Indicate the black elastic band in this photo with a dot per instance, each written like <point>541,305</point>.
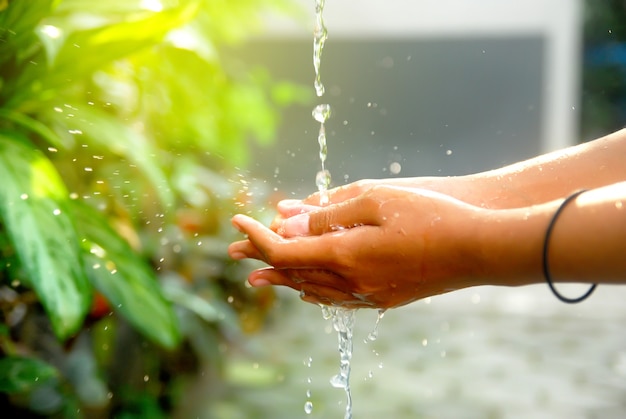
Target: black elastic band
<point>546,270</point>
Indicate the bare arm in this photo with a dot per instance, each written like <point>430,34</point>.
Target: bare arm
<point>555,175</point>
<point>541,179</point>
<point>391,245</point>
<point>587,244</point>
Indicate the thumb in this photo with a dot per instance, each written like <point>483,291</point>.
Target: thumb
<point>290,207</point>
<point>351,213</point>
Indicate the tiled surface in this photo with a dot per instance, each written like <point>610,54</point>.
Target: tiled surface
<point>479,353</point>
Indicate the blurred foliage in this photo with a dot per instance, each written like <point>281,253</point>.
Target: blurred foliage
<point>604,68</point>
<point>123,143</point>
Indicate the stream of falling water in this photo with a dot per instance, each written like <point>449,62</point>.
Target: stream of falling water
<point>342,318</point>
<point>321,112</point>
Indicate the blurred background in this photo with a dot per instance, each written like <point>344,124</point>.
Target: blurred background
<point>131,131</point>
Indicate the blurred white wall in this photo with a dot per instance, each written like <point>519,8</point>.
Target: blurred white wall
<point>559,21</point>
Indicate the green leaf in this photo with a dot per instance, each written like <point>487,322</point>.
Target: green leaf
<point>110,133</point>
<point>33,209</point>
<point>32,125</point>
<point>125,278</point>
<point>72,54</point>
<point>17,23</point>
<point>21,374</point>
<point>88,50</point>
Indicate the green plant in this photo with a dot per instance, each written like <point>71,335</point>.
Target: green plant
<point>604,70</point>
<point>121,128</point>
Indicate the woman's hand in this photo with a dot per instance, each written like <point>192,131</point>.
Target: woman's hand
<point>464,188</point>
<point>479,190</point>
<point>385,247</point>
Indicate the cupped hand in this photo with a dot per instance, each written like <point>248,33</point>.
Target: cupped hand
<point>473,190</point>
<point>384,247</point>
<point>290,207</point>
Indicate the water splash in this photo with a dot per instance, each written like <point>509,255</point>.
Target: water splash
<point>320,34</point>
<point>321,113</point>
<point>343,322</point>
<point>373,335</point>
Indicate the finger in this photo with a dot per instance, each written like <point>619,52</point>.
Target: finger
<point>351,213</point>
<point>244,249</point>
<point>308,283</point>
<point>270,276</point>
<point>341,193</point>
<point>295,278</point>
<point>286,209</point>
<point>280,252</point>
<point>290,207</point>
<point>331,297</point>
<point>277,223</point>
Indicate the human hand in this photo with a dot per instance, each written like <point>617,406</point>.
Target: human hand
<point>472,189</point>
<point>452,186</point>
<point>383,248</point>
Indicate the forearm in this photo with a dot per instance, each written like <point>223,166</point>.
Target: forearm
<point>554,175</point>
<point>587,243</point>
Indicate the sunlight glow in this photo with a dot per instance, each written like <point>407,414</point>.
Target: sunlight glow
<point>51,31</point>
<point>153,5</point>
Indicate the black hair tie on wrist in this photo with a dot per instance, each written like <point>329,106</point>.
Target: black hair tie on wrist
<point>546,270</point>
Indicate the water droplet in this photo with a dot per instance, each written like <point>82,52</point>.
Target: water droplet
<point>448,152</point>
<point>395,168</point>
<point>326,312</point>
<point>322,180</point>
<point>308,407</point>
<point>373,335</point>
<point>24,196</point>
<point>321,113</point>
<point>56,212</point>
<point>97,251</point>
<point>338,381</point>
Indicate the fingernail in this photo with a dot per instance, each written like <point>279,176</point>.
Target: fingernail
<point>290,207</point>
<point>286,203</point>
<point>235,222</point>
<point>298,225</point>
<point>238,255</point>
<point>259,282</point>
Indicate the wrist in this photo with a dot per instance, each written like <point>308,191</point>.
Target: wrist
<point>509,244</point>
